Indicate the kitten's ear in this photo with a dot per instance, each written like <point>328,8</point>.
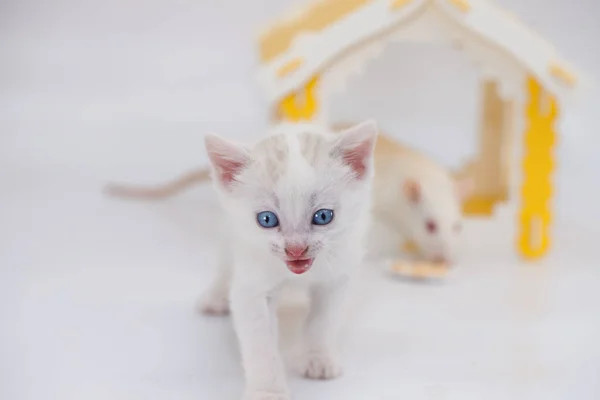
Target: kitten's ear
<point>412,190</point>
<point>355,146</point>
<point>227,158</point>
<point>464,187</point>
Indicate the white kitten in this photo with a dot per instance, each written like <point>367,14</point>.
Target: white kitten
<point>297,207</point>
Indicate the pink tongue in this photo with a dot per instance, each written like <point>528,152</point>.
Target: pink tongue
<point>299,266</point>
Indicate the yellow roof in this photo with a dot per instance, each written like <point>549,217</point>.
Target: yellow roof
<point>279,36</point>
<point>299,46</point>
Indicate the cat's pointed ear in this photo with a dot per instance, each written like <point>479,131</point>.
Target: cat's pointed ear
<point>228,158</point>
<point>355,146</point>
<point>464,187</point>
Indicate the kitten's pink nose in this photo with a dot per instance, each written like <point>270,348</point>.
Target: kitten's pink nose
<point>296,251</point>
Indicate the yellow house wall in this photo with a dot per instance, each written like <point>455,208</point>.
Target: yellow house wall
<point>535,215</point>
<point>302,105</point>
<point>490,170</point>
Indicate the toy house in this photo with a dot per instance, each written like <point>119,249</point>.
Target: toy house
<point>308,56</point>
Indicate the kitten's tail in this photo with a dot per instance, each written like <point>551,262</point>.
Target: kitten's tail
<point>162,191</point>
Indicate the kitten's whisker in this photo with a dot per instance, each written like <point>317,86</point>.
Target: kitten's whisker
<point>330,268</point>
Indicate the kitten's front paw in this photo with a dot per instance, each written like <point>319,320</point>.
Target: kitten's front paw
<point>320,366</point>
<point>214,304</point>
<point>260,395</point>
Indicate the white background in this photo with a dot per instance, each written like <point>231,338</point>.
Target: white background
<point>97,296</point>
<point>119,88</point>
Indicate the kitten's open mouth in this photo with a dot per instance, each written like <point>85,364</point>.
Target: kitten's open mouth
<point>299,266</point>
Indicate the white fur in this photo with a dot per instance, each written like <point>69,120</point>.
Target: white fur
<point>440,201</point>
<point>277,176</point>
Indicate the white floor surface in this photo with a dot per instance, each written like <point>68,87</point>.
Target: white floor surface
<point>105,293</point>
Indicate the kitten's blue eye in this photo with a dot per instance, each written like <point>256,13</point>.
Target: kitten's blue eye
<point>322,217</point>
<point>267,219</point>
